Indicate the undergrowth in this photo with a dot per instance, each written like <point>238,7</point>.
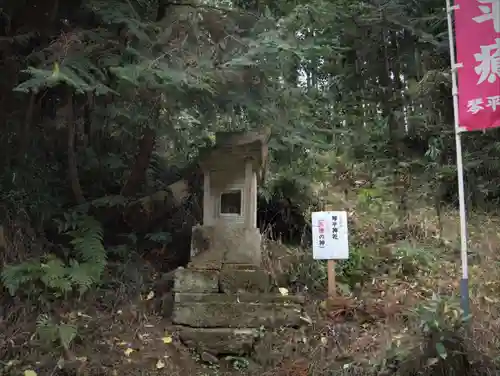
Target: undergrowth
<point>401,284</point>
<point>396,312</point>
<point>77,269</point>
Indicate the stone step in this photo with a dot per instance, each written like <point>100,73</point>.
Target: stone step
<point>236,314</point>
<point>196,280</point>
<point>244,297</point>
<point>234,278</point>
<point>230,279</point>
<point>219,340</point>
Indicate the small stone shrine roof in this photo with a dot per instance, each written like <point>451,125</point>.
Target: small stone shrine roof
<point>231,149</point>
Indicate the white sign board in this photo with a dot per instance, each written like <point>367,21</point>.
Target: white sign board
<point>329,235</point>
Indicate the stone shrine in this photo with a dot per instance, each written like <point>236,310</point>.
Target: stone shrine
<point>224,297</point>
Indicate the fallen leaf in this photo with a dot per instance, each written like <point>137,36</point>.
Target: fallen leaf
<point>60,363</point>
<point>10,363</point>
<point>167,339</point>
<point>283,291</point>
<point>489,300</point>
<point>150,296</point>
<point>128,351</point>
<point>306,318</point>
<point>30,372</point>
<point>160,364</point>
<point>431,362</point>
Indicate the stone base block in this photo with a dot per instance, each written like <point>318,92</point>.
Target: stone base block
<point>235,278</point>
<point>196,280</point>
<point>212,246</point>
<point>186,298</point>
<point>219,340</point>
<point>236,314</point>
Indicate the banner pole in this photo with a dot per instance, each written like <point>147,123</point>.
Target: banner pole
<point>464,283</point>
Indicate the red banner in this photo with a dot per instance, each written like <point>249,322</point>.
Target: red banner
<point>477,34</point>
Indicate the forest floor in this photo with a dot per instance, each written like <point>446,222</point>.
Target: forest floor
<point>121,331</point>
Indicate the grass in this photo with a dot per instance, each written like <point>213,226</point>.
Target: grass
<point>397,312</point>
<point>437,260</point>
<point>401,289</point>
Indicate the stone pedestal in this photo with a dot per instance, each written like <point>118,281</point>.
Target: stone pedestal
<point>213,246</point>
<point>224,298</point>
<point>222,311</point>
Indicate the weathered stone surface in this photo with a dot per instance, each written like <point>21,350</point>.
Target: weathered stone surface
<point>167,305</point>
<point>196,280</point>
<point>209,358</point>
<point>213,246</point>
<point>246,247</point>
<point>219,340</point>
<point>241,297</point>
<point>236,315</point>
<point>204,253</point>
<point>233,279</point>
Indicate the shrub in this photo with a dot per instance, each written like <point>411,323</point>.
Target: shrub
<point>304,271</point>
<point>53,274</point>
<point>409,259</point>
<point>438,347</point>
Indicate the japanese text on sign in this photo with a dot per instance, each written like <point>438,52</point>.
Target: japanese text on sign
<point>477,34</point>
<point>330,235</point>
<point>490,12</point>
<point>480,104</point>
<point>335,230</point>
<point>321,227</point>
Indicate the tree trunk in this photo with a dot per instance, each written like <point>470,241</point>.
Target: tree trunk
<point>72,162</point>
<point>25,134</point>
<point>138,174</point>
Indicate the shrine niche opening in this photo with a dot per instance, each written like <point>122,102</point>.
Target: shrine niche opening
<point>231,202</point>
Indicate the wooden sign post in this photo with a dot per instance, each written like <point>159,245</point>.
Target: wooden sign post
<point>332,286</point>
<point>330,241</point>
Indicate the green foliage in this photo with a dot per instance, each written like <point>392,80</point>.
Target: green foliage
<point>313,274</point>
<point>371,200</point>
<point>358,269</point>
<point>440,320</point>
<point>405,261</point>
<point>83,268</point>
<point>436,347</point>
<point>410,260</point>
<point>306,272</point>
<point>440,314</point>
<point>159,237</point>
<point>51,333</point>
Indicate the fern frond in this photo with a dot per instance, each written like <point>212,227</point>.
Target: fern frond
<point>49,332</point>
<point>81,273</point>
<point>66,334</point>
<point>55,275</point>
<point>15,276</point>
<point>46,330</point>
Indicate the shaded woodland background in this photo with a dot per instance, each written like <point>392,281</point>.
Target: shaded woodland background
<point>104,104</point>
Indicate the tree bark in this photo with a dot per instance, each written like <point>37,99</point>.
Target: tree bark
<point>25,134</point>
<point>72,162</point>
<point>138,174</point>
